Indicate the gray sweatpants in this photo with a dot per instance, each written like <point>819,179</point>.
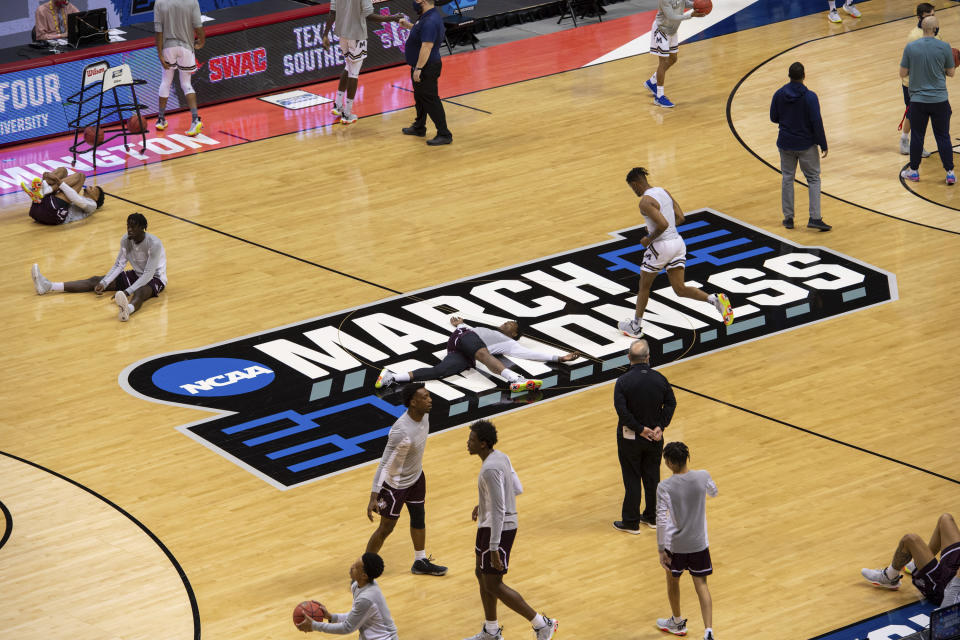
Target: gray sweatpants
<point>809,160</point>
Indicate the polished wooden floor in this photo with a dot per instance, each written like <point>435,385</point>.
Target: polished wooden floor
<point>798,515</point>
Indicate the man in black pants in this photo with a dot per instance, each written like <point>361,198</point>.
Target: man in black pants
<point>645,404</point>
<point>423,56</point>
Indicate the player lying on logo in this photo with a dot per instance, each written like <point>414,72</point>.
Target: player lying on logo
<point>134,286</point>
<point>665,249</point>
<point>468,344</point>
<point>59,197</point>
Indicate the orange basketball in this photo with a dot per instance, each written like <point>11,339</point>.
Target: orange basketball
<point>702,6</point>
<point>310,609</point>
<point>93,136</point>
<point>136,124</point>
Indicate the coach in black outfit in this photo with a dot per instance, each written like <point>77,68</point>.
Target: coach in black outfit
<point>645,404</point>
<point>423,56</point>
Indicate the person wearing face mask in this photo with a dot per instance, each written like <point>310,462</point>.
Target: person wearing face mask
<point>423,56</point>
<point>924,9</point>
<point>51,19</point>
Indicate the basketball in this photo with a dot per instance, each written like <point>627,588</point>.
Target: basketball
<point>702,6</point>
<point>93,136</point>
<point>309,608</point>
<point>956,57</point>
<point>136,124</point>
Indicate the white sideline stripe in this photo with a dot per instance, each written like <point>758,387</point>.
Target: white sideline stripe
<point>722,9</point>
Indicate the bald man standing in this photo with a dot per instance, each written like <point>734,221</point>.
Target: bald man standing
<point>927,62</point>
<point>645,404</point>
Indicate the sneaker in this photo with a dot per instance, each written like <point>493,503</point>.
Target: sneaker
<point>818,224</point>
<point>708,635</point>
<point>670,625</point>
<point>348,118</point>
<point>485,635</point>
<point>195,127</point>
<point>122,302</point>
<point>878,578</point>
<point>437,141</point>
<point>663,101</point>
<point>426,567</point>
<point>788,223</point>
<point>651,522</point>
<point>525,385</point>
<point>385,379</point>
<point>161,124</point>
<point>951,178</point>
<point>910,174</point>
<point>904,146</point>
<point>546,631</point>
<point>337,110</point>
<point>631,327</point>
<point>924,153</point>
<point>414,131</point>
<point>851,10</point>
<point>834,17</point>
<point>723,306</point>
<point>33,189</point>
<point>619,526</point>
<point>652,87</point>
<point>41,284</point>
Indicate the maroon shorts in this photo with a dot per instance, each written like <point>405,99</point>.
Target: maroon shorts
<point>50,210</point>
<point>130,276</point>
<point>484,564</point>
<point>932,579</point>
<point>391,500</point>
<point>697,563</point>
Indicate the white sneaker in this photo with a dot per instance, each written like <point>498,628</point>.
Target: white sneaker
<point>336,110</point>
<point>904,147</point>
<point>122,302</point>
<point>483,635</point>
<point>878,578</point>
<point>631,327</point>
<point>41,284</point>
<point>670,625</point>
<point>195,127</point>
<point>385,379</point>
<point>708,635</point>
<point>833,16</point>
<point>852,10</point>
<point>348,118</point>
<point>546,631</point>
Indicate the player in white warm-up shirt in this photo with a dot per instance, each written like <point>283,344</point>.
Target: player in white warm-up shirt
<point>146,280</point>
<point>665,42</point>
<point>664,250</point>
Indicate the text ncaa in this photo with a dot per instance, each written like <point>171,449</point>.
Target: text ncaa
<point>297,403</point>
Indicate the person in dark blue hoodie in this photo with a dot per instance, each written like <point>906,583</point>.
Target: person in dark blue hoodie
<point>797,110</point>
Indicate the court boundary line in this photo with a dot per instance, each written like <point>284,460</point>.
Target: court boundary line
<point>736,134</point>
<point>465,106</point>
<point>8,527</point>
<point>173,560</point>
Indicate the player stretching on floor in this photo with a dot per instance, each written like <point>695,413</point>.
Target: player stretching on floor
<point>146,280</point>
<point>59,198</point>
<point>468,344</point>
<point>664,43</point>
<point>665,249</point>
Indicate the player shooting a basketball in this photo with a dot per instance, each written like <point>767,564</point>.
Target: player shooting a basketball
<point>665,249</point>
<point>664,41</point>
<point>179,33</point>
<point>468,344</point>
<point>59,197</point>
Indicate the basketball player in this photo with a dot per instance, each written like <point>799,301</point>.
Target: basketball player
<point>135,286</point>
<point>179,33</point>
<point>59,198</point>
<point>369,614</point>
<point>468,344</point>
<point>496,517</point>
<point>664,249</point>
<point>399,479</point>
<point>664,43</point>
<point>351,30</point>
<point>682,536</point>
<point>848,7</point>
<point>933,575</point>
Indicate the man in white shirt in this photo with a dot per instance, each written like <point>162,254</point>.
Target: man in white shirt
<point>135,286</point>
<point>59,197</point>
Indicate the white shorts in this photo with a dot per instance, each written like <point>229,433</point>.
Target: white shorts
<point>663,45</point>
<point>183,58</point>
<point>354,53</point>
<point>664,254</point>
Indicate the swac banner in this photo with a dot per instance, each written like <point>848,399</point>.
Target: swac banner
<point>297,402</point>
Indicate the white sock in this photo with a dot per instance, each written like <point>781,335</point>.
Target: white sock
<point>891,573</point>
<point>511,376</point>
<point>339,101</point>
<point>653,78</point>
<point>538,621</point>
<point>130,308</point>
<point>676,619</point>
<point>419,555</point>
<point>401,377</point>
<point>348,106</point>
<point>56,286</point>
<point>491,627</point>
<point>659,90</point>
<point>712,298</point>
<point>905,137</point>
<point>706,631</point>
<point>832,4</point>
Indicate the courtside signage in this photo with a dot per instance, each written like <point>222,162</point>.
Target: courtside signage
<point>898,623</point>
<point>297,403</point>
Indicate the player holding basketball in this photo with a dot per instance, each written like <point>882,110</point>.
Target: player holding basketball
<point>399,479</point>
<point>59,197</point>
<point>179,33</point>
<point>468,344</point>
<point>665,249</point>
<point>496,517</point>
<point>369,614</point>
<point>351,18</point>
<point>146,280</point>
<point>682,536</point>
<point>664,43</point>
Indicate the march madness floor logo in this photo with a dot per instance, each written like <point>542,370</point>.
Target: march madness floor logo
<point>297,403</point>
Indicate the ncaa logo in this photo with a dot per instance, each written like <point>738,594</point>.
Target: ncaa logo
<point>212,377</point>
